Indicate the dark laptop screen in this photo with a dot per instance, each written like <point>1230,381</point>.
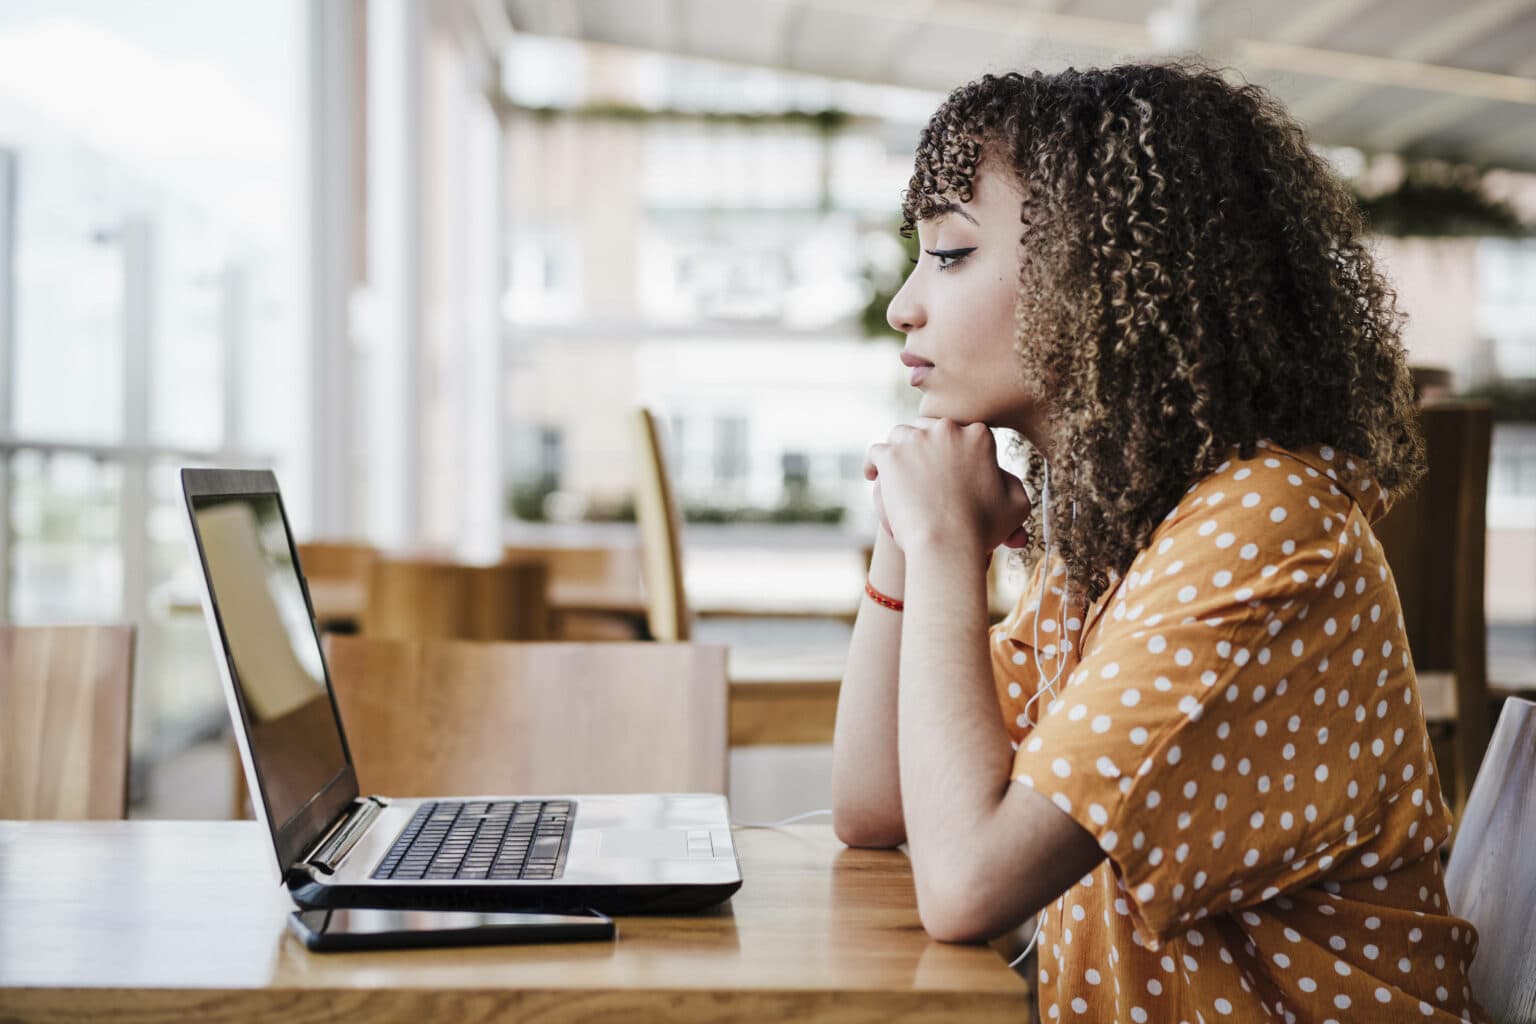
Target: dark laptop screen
<point>274,656</point>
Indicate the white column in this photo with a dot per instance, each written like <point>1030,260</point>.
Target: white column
<point>397,37</point>
<point>481,509</point>
<point>331,269</point>
<point>136,240</point>
<point>232,313</point>
<point>7,361</point>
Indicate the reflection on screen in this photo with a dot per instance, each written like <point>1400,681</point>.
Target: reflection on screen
<point>274,657</point>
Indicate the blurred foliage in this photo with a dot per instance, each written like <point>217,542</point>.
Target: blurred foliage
<point>525,498</point>
<point>1438,200</point>
<point>526,502</point>
<point>824,121</point>
<point>1513,401</point>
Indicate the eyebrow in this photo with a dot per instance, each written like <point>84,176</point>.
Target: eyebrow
<point>945,209</point>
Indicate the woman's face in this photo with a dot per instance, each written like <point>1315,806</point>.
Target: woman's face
<point>957,309</point>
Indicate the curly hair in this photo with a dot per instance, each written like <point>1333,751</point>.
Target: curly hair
<point>1192,278</point>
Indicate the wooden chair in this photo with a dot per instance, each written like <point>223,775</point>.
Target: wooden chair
<point>593,590</point>
<point>1491,878</point>
<point>661,532</point>
<point>776,698</point>
<point>337,560</point>
<point>414,599</point>
<point>1434,541</point>
<point>337,573</point>
<point>425,719</point>
<point>65,698</point>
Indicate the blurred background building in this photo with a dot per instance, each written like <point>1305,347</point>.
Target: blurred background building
<point>423,256</point>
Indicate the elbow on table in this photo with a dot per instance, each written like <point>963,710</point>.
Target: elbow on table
<point>954,910</point>
<point>861,828</point>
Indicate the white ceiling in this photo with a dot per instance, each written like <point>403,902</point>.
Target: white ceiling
<point>1445,78</point>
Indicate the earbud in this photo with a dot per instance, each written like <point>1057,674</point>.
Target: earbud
<point>1048,686</point>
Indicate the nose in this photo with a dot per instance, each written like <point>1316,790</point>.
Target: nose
<point>906,314</point>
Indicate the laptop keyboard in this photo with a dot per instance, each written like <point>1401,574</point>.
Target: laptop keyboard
<point>499,840</point>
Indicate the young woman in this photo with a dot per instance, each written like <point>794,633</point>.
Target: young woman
<point>1196,746</point>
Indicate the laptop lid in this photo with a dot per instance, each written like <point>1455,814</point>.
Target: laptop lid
<point>274,673</point>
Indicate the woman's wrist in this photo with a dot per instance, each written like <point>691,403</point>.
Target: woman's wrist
<point>888,567</point>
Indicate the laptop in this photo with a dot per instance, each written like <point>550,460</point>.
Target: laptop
<point>620,854</point>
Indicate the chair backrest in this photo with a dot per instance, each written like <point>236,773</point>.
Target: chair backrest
<point>65,694</point>
<point>1491,879</point>
<point>425,719</point>
<point>661,534</point>
<point>594,564</point>
<point>1434,541</point>
<point>414,599</point>
<point>337,560</point>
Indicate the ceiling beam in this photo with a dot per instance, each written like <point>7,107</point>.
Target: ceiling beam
<point>1399,132</point>
<point>1463,25</point>
<point>883,44</point>
<point>1316,20</point>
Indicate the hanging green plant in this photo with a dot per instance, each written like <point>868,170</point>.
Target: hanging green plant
<point>827,122</point>
<point>1436,200</point>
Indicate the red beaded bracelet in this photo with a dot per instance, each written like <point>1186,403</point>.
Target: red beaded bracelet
<point>883,601</point>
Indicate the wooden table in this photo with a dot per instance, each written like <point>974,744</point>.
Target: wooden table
<point>185,920</point>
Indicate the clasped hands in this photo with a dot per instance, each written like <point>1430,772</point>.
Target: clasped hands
<point>938,488</point>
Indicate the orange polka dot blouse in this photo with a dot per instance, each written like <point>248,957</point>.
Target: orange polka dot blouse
<point>1237,723</point>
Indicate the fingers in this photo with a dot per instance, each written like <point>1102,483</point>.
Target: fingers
<point>872,459</point>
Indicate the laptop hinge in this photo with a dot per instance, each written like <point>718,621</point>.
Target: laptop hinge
<point>342,836</point>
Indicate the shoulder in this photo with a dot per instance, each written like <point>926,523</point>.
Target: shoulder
<point>1251,534</point>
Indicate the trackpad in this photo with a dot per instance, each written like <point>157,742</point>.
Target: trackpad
<point>646,843</point>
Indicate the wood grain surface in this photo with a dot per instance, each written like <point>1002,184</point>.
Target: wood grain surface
<point>65,694</point>
<point>142,921</point>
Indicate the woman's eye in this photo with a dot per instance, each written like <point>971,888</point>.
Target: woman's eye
<point>949,257</point>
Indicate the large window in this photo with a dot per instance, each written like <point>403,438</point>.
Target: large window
<point>149,158</point>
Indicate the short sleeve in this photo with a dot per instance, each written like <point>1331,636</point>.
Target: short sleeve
<point>1193,738</point>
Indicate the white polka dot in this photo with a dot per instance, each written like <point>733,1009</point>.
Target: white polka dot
<point>1183,657</point>
<point>1110,671</point>
<point>1101,723</point>
<point>1061,767</point>
<point>1223,1006</point>
<point>1277,514</point>
<point>1157,644</point>
<point>1226,540</point>
<point>1186,595</point>
<point>1130,698</point>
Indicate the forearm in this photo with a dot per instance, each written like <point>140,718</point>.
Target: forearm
<point>866,789</point>
<point>954,752</point>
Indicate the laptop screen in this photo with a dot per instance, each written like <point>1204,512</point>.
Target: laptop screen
<point>274,655</point>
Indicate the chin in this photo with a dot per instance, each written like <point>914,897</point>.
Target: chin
<point>938,408</point>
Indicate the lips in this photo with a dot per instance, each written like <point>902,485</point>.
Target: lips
<point>920,367</point>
